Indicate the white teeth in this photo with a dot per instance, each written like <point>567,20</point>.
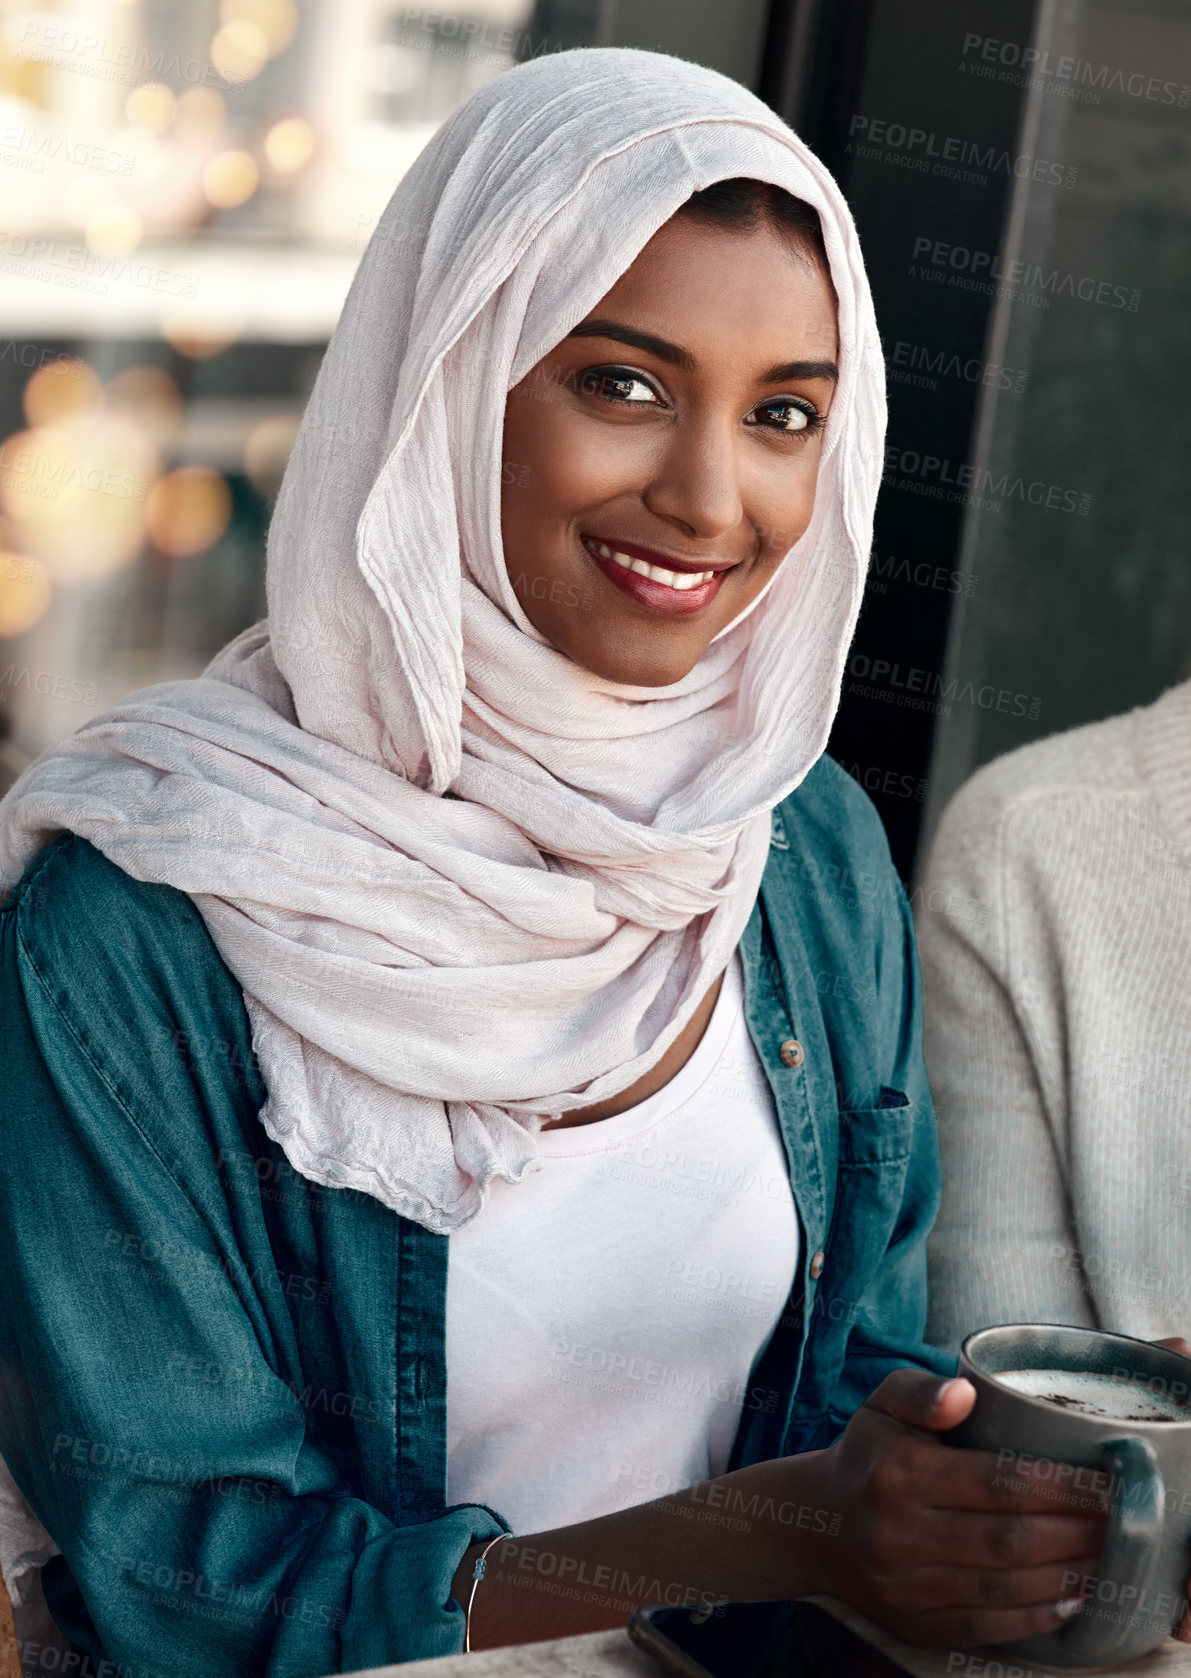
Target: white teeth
<point>672,579</point>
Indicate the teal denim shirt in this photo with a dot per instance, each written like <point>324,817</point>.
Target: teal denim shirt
<point>223,1388</point>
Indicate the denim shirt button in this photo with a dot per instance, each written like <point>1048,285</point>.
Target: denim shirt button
<point>817,1267</point>
<point>791,1052</point>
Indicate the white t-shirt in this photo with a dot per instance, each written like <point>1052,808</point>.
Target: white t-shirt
<point>604,1314</point>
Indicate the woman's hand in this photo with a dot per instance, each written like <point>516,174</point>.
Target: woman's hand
<point>940,1545</point>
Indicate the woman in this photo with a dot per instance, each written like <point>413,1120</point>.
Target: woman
<point>429,1030</point>
<point>1058,1030</point>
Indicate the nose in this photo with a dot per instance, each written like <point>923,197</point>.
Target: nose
<point>696,481</point>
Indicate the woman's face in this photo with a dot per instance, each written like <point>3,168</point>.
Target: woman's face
<point>678,425</point>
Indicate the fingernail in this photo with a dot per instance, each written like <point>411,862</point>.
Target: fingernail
<point>945,1389</point>
<point>1069,1607</point>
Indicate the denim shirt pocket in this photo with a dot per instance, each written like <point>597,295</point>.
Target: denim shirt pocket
<point>875,1147</point>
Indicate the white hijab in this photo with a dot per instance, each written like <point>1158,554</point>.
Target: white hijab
<point>426,977</point>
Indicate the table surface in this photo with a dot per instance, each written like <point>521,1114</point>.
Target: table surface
<point>611,1654</point>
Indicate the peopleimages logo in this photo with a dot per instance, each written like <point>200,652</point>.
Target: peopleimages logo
<point>925,690</point>
<point>45,39</point>
<point>44,475</point>
<point>27,149</point>
<point>921,365</point>
<point>36,257</point>
<point>883,135</point>
<point>985,266</point>
<point>921,573</point>
<point>48,685</point>
<point>1080,71</point>
<point>980,481</point>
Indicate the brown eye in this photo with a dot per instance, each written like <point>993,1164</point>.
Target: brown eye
<point>616,384</point>
<point>790,417</point>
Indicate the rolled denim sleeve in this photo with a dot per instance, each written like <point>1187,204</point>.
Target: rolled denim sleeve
<point>153,1406</point>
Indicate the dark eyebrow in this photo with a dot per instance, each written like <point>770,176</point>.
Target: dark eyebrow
<point>683,358</point>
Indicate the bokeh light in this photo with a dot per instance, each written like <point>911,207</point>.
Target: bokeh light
<point>230,178</point>
<point>267,451</point>
<point>277,20</point>
<point>151,106</point>
<point>60,391</point>
<point>239,50</point>
<point>25,592</point>
<point>150,156</point>
<point>76,493</point>
<point>188,509</point>
<point>113,230</point>
<point>85,197</point>
<point>150,397</point>
<point>201,113</point>
<point>196,335</point>
<point>289,144</point>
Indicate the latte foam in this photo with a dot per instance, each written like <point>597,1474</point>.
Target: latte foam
<point>1096,1395</point>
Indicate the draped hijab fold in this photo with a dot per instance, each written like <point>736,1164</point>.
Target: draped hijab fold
<point>463,882</point>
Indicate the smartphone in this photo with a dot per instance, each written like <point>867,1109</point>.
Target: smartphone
<point>757,1640</point>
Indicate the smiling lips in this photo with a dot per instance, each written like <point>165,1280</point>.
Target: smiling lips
<point>672,579</point>
<point>655,585</point>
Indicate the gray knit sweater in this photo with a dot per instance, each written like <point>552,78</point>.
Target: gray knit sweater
<point>1055,930</point>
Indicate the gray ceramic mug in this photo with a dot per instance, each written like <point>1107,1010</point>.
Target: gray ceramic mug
<point>1139,1593</point>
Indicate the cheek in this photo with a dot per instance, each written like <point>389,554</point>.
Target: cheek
<point>524,475</point>
<point>537,464</point>
<point>569,463</point>
<point>783,505</point>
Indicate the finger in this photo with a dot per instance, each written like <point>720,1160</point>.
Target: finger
<point>1007,1541</point>
<point>930,1589</point>
<point>971,1628</point>
<point>918,1400</point>
<point>984,1481</point>
<point>1060,1487</point>
<point>1175,1344</point>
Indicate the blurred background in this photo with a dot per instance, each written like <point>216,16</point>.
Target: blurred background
<point>186,190</point>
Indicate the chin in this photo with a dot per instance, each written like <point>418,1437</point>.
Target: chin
<point>646,671</point>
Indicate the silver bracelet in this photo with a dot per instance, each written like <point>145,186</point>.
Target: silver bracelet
<point>476,1576</point>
